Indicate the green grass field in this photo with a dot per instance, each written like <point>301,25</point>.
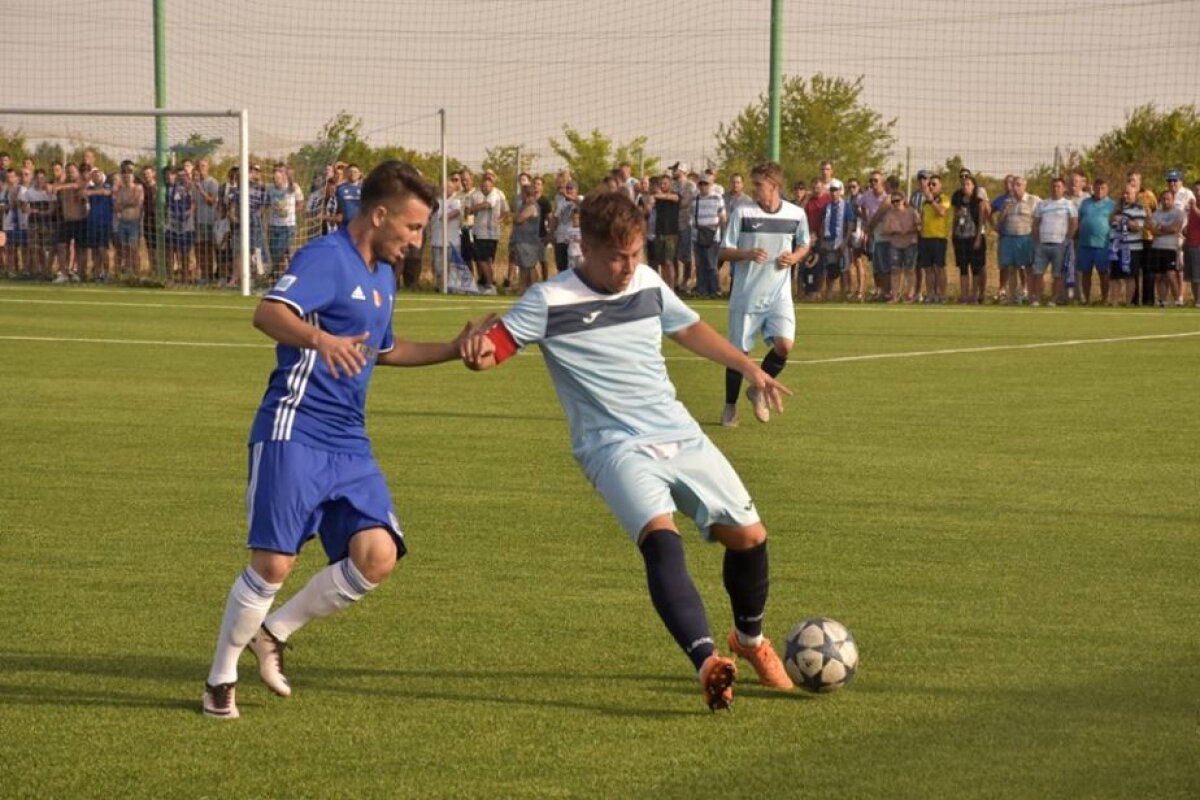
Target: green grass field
<point>1011,534</point>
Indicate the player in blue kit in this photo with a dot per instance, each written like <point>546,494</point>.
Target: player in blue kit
<point>599,328</point>
<point>763,241</point>
<point>311,470</point>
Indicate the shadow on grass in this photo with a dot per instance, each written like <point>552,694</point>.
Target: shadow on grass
<point>515,684</point>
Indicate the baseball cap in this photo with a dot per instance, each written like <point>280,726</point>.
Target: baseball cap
<point>835,185</point>
<point>1175,175</point>
<point>923,174</point>
<point>487,173</point>
<point>704,179</point>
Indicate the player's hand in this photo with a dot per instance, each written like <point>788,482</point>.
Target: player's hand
<point>771,389</point>
<point>788,259</point>
<point>759,255</point>
<point>342,353</point>
<point>474,347</point>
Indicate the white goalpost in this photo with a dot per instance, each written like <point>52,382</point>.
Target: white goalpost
<point>162,114</point>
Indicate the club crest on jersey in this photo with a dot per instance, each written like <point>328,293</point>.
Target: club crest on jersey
<point>285,283</point>
<point>357,294</point>
<point>378,299</point>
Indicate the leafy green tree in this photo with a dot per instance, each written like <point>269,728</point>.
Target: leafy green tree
<point>13,143</point>
<point>593,156</point>
<point>196,147</point>
<point>502,159</point>
<point>820,118</point>
<point>1151,142</point>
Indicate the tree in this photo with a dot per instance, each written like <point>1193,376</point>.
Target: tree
<point>13,143</point>
<point>340,139</point>
<point>822,118</point>
<point>1150,142</point>
<point>502,160</point>
<point>592,157</point>
<point>196,147</point>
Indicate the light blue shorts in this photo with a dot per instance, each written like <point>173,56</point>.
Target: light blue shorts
<point>691,476</point>
<point>775,322</point>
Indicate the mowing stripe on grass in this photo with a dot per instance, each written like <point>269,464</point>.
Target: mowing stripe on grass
<point>207,306</point>
<point>809,362</point>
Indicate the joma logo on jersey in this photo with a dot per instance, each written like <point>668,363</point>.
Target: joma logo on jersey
<point>369,353</point>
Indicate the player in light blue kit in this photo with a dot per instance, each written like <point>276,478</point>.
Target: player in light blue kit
<point>763,241</point>
<point>311,469</point>
<point>600,328</point>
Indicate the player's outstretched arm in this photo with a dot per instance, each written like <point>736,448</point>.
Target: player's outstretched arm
<point>341,354</point>
<point>701,339</point>
<point>419,354</point>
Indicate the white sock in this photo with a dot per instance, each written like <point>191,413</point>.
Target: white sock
<point>748,641</point>
<point>250,599</point>
<point>336,587</point>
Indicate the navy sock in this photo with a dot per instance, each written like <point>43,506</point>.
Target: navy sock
<point>733,385</point>
<point>773,363</point>
<point>747,581</point>
<point>674,595</point>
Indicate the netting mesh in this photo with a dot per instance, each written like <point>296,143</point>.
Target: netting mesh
<point>1020,87</point>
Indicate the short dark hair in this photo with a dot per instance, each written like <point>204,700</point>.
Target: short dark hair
<point>393,182</point>
<point>610,217</point>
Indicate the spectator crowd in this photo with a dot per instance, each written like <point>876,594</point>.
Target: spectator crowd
<point>870,241</point>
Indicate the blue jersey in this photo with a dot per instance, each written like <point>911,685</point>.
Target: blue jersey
<point>349,199</point>
<point>100,209</point>
<point>330,287</point>
<point>757,287</point>
<point>604,354</point>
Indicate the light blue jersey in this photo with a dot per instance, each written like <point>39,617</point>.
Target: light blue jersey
<point>758,287</point>
<point>604,355</point>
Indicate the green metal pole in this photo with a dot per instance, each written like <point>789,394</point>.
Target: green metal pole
<point>776,78</point>
<point>160,132</point>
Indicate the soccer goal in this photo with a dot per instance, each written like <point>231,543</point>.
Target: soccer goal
<point>210,241</point>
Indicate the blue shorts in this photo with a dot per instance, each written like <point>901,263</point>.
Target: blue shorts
<point>1089,258</point>
<point>18,238</point>
<point>881,257</point>
<point>295,492</point>
<point>775,322</point>
<point>691,476</point>
<point>128,233</point>
<point>1016,251</point>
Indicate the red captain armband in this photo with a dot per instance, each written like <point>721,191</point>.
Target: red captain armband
<point>502,340</point>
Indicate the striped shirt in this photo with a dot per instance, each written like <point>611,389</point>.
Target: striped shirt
<point>708,210</point>
<point>604,355</point>
<point>756,286</point>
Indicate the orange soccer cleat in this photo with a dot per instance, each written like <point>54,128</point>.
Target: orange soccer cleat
<point>765,661</point>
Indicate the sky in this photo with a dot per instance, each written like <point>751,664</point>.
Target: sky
<point>1002,84</point>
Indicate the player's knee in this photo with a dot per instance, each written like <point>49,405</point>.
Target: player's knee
<point>782,347</point>
<point>374,554</point>
<point>740,537</point>
<point>270,566</point>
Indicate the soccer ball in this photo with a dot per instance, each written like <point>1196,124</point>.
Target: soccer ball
<point>821,655</point>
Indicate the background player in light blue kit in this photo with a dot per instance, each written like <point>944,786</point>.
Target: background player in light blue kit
<point>311,469</point>
<point>600,328</point>
<point>763,241</point>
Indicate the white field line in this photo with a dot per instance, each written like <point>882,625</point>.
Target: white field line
<point>803,362</point>
<point>207,306</point>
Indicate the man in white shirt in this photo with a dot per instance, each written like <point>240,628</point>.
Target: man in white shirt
<point>489,205</point>
<point>451,217</point>
<point>1055,222</point>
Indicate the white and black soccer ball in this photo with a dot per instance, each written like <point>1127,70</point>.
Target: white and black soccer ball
<point>821,655</point>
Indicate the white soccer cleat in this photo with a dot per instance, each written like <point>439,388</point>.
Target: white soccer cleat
<point>762,411</point>
<point>269,652</point>
<point>219,701</point>
<point>729,416</point>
